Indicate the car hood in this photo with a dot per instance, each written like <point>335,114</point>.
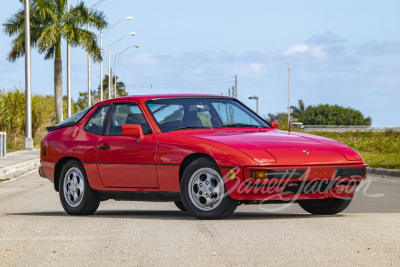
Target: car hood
<point>283,148</point>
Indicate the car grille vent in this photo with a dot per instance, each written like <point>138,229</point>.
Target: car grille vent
<point>286,173</point>
<point>347,172</point>
<point>309,187</point>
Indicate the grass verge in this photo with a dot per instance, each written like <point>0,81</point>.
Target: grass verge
<point>378,149</point>
<point>377,160</point>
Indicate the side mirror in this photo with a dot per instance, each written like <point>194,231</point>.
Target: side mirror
<point>134,130</point>
<point>275,124</point>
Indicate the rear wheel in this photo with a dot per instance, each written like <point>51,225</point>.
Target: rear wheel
<point>327,206</point>
<point>180,205</point>
<point>203,191</point>
<point>77,198</point>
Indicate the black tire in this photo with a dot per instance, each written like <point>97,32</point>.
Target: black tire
<point>327,206</point>
<point>180,205</point>
<point>77,198</point>
<point>215,203</point>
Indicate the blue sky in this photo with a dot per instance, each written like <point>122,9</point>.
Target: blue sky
<point>340,52</point>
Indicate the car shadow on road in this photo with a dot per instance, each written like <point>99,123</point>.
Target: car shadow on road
<point>173,215</point>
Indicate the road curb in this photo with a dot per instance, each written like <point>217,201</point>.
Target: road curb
<point>384,172</point>
<point>14,170</point>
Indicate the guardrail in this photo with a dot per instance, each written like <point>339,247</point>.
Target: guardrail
<point>346,128</point>
<point>3,144</point>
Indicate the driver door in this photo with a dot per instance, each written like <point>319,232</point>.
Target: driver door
<point>122,161</point>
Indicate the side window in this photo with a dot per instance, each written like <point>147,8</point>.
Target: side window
<point>127,114</point>
<point>96,122</point>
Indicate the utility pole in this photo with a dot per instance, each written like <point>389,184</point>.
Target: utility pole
<point>101,65</point>
<point>288,94</point>
<point>28,98</point>
<point>115,77</point>
<point>235,95</point>
<point>68,74</point>
<point>255,98</point>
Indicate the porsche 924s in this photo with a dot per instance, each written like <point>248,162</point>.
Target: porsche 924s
<point>206,153</point>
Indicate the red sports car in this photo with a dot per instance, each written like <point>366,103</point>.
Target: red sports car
<point>206,153</point>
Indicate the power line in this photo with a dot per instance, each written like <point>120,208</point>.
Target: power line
<point>200,83</point>
<point>193,85</point>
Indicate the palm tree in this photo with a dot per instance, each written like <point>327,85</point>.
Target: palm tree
<point>298,112</point>
<point>121,89</point>
<point>50,23</point>
<point>82,101</point>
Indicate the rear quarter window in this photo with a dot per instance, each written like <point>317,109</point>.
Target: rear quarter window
<point>96,123</point>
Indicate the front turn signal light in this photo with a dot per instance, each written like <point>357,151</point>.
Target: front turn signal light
<point>259,174</point>
<point>231,174</point>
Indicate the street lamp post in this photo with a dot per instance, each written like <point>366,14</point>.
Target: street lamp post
<point>115,70</point>
<point>109,60</point>
<point>95,6</point>
<point>255,98</point>
<point>28,99</point>
<point>88,61</point>
<point>101,52</point>
<point>68,74</point>
<point>288,93</point>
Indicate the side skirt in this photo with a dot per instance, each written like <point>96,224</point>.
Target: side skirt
<point>139,196</point>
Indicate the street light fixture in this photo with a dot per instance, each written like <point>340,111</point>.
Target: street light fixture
<point>101,51</point>
<point>109,60</point>
<point>115,71</point>
<point>255,98</point>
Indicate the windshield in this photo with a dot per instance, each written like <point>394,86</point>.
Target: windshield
<point>202,113</point>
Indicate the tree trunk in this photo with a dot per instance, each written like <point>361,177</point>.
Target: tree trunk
<point>58,92</point>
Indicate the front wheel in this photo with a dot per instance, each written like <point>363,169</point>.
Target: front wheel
<point>203,191</point>
<point>77,198</point>
<point>327,206</point>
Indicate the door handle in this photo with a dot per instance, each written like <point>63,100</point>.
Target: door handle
<point>104,147</point>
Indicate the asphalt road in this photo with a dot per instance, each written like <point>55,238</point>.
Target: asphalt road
<point>35,231</point>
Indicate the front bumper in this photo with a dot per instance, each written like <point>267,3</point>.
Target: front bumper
<point>318,182</point>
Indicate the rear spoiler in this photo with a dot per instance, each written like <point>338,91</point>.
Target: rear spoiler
<point>56,127</point>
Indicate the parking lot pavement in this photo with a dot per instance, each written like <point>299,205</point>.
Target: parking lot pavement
<point>34,230</point>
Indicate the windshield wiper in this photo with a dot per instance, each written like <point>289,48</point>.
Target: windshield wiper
<point>240,125</point>
<point>189,128</point>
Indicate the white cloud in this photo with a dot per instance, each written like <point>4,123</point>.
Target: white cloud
<point>315,51</point>
<point>375,48</point>
<point>147,59</point>
<point>251,69</point>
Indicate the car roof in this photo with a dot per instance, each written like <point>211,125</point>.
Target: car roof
<point>156,96</point>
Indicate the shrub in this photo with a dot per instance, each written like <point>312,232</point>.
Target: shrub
<point>12,116</point>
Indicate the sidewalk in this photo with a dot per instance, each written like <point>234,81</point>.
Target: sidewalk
<point>384,172</point>
<point>19,162</point>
